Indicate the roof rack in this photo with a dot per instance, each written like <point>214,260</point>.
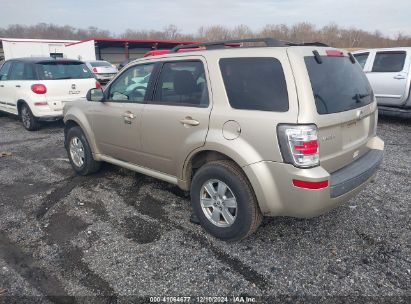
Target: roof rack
<point>226,43</point>
<point>304,43</point>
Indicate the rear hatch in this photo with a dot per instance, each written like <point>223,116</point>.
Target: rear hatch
<point>334,93</point>
<point>65,81</point>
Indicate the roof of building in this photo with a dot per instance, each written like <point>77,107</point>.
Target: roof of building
<point>109,42</point>
<point>44,59</point>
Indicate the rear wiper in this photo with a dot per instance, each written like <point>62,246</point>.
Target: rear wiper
<point>357,97</point>
<point>68,77</point>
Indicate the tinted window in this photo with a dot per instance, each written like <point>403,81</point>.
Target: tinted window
<point>22,71</point>
<point>389,62</point>
<point>131,86</point>
<point>338,85</point>
<point>100,64</point>
<point>63,70</point>
<point>4,71</point>
<point>255,84</point>
<point>362,58</point>
<point>182,83</point>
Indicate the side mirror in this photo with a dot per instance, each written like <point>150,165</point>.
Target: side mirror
<point>95,95</point>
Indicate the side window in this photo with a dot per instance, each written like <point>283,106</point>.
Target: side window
<point>389,62</point>
<point>17,72</point>
<point>182,83</point>
<point>4,72</point>
<point>131,86</point>
<point>29,73</point>
<point>22,71</point>
<point>362,58</point>
<point>255,83</point>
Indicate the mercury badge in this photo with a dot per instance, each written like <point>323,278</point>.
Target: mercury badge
<point>360,114</point>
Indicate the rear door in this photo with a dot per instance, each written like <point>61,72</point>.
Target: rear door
<point>21,78</point>
<point>6,89</point>
<point>175,121</point>
<point>339,100</point>
<point>389,77</point>
<point>65,81</point>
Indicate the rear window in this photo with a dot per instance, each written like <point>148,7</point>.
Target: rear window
<point>100,64</point>
<point>389,62</point>
<point>63,70</point>
<point>255,83</point>
<point>338,84</point>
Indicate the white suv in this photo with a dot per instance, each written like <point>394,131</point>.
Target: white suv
<point>37,88</point>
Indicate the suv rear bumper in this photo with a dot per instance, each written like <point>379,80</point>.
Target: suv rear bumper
<point>356,173</point>
<point>277,196</point>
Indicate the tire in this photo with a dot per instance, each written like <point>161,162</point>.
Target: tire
<point>245,218</point>
<point>79,152</point>
<point>30,122</point>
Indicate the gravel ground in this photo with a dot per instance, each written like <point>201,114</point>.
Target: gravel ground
<point>120,237</point>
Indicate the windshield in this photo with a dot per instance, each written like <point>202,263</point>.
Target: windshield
<point>338,84</point>
<point>97,64</point>
<point>63,70</point>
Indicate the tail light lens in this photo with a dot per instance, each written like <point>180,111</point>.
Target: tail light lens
<point>39,88</point>
<point>299,145</point>
<point>94,70</point>
<point>98,85</point>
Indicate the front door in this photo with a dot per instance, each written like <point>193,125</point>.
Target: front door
<point>175,121</point>
<point>117,121</point>
<point>388,77</point>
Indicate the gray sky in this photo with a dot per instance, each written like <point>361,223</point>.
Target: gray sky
<point>390,17</point>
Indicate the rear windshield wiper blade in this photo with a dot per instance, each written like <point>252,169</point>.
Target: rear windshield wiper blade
<point>68,77</point>
<point>358,97</point>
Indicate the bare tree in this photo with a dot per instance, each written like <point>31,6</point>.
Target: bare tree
<point>331,34</point>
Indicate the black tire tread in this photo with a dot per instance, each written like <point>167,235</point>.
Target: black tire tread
<point>256,216</point>
<point>92,166</point>
<point>34,124</point>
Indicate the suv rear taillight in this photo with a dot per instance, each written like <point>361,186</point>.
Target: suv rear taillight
<point>94,70</point>
<point>299,145</point>
<point>39,88</point>
<point>98,85</point>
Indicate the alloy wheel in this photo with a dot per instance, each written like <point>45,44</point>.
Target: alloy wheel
<point>218,203</point>
<point>77,152</point>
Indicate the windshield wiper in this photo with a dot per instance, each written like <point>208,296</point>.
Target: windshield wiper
<point>68,77</point>
<point>358,97</point>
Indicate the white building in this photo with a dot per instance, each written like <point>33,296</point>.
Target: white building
<point>112,50</point>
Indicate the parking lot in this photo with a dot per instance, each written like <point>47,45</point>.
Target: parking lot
<point>119,234</point>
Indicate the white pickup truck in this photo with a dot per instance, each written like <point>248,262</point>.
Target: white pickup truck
<point>389,72</point>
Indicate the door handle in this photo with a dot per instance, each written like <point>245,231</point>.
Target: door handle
<point>188,121</point>
<point>1,86</point>
<point>129,115</point>
<point>18,86</point>
<point>399,77</point>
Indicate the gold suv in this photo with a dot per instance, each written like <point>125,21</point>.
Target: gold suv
<point>275,130</point>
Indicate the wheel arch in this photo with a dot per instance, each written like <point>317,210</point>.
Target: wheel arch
<point>71,121</point>
<point>19,104</point>
<point>201,157</point>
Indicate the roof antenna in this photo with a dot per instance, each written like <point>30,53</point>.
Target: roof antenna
<point>352,58</point>
<point>317,57</point>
